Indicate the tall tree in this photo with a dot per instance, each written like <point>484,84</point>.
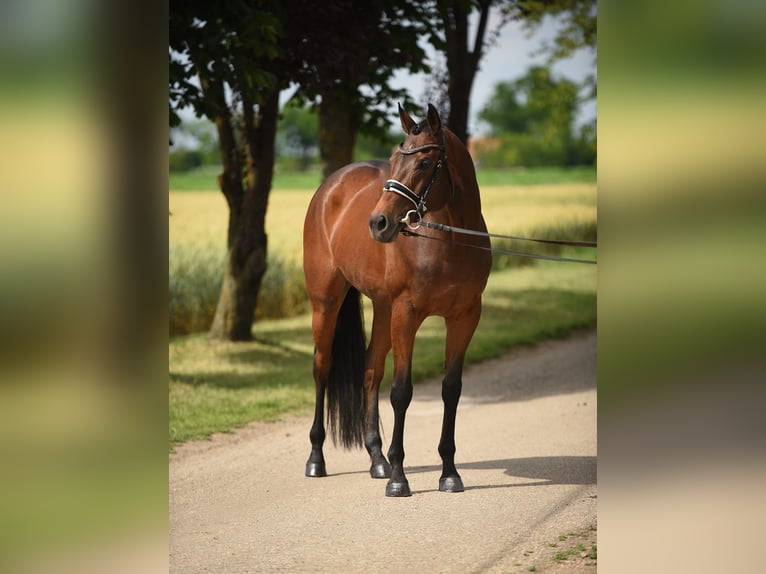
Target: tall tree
<point>537,111</point>
<point>459,29</point>
<point>463,54</point>
<point>343,54</point>
<point>579,28</point>
<point>224,64</point>
<point>298,134</point>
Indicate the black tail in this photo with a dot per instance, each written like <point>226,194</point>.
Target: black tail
<point>345,387</point>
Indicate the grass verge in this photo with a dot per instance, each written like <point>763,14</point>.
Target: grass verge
<point>218,386</point>
<point>205,178</point>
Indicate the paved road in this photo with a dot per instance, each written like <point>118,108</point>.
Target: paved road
<point>526,439</point>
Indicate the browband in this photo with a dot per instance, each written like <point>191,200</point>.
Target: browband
<point>421,148</point>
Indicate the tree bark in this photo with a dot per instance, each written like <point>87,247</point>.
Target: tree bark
<point>462,63</point>
<point>247,241</point>
<point>338,126</point>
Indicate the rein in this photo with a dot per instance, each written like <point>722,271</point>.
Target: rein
<point>411,233</point>
<point>442,227</point>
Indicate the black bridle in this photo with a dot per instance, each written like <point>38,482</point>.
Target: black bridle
<point>419,201</point>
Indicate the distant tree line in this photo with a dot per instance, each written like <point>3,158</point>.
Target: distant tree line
<point>530,121</point>
<point>296,145</point>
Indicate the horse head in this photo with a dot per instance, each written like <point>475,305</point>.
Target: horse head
<point>420,180</point>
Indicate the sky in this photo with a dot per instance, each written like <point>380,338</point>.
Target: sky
<point>508,60</point>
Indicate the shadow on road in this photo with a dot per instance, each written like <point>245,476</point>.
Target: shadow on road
<point>544,469</point>
<point>541,470</point>
<point>543,373</point>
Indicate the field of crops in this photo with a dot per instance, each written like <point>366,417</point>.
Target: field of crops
<point>197,232</point>
<point>199,218</point>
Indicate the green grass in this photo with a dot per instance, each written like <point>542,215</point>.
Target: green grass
<point>577,550</point>
<point>218,386</point>
<point>536,175</point>
<point>566,554</point>
<point>205,178</point>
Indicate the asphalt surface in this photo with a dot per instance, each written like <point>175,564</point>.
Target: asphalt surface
<point>526,450</point>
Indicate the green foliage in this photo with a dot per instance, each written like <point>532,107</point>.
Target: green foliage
<point>532,121</point>
<point>372,147</point>
<point>298,136</point>
<point>232,44</point>
<point>194,146</point>
<point>283,290</point>
<point>193,143</point>
<point>193,287</point>
<point>578,231</point>
<point>195,282</point>
<point>578,27</point>
<point>335,48</point>
<point>184,160</point>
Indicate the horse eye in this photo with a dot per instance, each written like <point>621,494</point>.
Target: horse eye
<point>424,163</point>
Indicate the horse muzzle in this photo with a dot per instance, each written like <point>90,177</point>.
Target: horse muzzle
<point>384,228</point>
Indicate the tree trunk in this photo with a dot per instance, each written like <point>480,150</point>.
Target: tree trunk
<point>247,241</point>
<point>462,63</point>
<point>338,126</point>
<point>245,266</point>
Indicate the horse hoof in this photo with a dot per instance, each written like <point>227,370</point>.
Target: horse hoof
<point>398,489</point>
<point>380,470</point>
<point>451,484</point>
<point>316,469</point>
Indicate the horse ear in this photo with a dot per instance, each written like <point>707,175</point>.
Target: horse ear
<point>407,121</point>
<point>433,119</point>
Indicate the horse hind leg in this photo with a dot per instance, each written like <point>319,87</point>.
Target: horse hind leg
<point>323,323</point>
<point>315,466</point>
<point>339,370</point>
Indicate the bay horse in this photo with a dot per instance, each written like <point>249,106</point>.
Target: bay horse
<point>352,244</point>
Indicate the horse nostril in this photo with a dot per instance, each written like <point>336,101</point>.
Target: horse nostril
<point>380,227</point>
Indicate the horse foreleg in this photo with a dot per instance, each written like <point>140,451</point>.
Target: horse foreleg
<point>404,327</point>
<point>375,362</point>
<point>459,333</point>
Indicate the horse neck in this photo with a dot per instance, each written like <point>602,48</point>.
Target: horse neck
<point>466,198</point>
